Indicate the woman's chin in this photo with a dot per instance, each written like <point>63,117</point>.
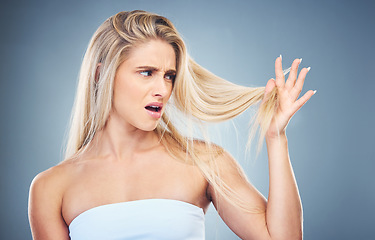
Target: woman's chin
<point>150,127</point>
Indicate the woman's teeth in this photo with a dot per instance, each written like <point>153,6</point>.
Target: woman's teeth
<point>153,108</point>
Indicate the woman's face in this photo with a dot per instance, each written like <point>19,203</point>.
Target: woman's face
<point>143,85</point>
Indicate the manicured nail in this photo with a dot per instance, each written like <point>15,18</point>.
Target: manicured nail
<point>308,69</point>
<point>300,60</point>
<point>281,57</point>
<point>314,91</point>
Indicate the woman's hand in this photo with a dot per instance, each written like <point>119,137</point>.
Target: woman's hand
<point>288,92</point>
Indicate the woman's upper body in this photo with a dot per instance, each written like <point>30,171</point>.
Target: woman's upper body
<point>125,161</point>
<point>63,192</point>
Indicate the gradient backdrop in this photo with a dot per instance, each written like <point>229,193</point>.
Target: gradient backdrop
<point>331,138</point>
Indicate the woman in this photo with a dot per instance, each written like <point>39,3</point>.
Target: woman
<point>130,174</point>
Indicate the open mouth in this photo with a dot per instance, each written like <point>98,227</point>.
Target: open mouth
<point>153,108</point>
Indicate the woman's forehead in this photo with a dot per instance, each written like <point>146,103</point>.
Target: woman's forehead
<point>156,53</point>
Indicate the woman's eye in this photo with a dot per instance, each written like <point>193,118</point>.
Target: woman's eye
<point>170,77</point>
<point>146,73</point>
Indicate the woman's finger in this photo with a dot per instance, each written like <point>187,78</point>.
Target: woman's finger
<point>268,89</point>
<point>300,81</point>
<point>300,102</point>
<point>293,74</point>
<point>280,78</point>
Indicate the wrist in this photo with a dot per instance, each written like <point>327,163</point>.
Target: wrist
<point>275,136</point>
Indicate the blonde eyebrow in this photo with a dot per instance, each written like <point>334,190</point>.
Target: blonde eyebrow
<point>156,69</point>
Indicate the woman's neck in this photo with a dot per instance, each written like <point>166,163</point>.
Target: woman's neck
<point>122,141</point>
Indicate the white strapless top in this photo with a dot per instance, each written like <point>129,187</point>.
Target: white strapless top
<point>142,219</point>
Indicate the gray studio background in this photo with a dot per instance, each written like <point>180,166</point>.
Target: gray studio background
<point>331,138</point>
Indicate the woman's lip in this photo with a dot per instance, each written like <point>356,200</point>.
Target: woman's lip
<point>156,115</point>
<point>156,104</point>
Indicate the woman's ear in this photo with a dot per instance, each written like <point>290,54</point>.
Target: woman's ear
<point>97,72</point>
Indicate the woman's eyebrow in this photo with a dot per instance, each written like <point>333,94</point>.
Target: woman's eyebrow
<point>172,71</point>
<point>148,67</point>
<point>156,69</point>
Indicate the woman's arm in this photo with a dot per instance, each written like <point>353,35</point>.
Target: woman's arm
<point>45,201</point>
<point>281,216</point>
<point>284,210</point>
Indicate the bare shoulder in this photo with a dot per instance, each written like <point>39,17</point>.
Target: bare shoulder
<point>239,203</point>
<point>221,162</point>
<point>48,187</point>
<point>223,159</point>
<point>45,201</point>
<point>208,149</point>
<point>53,179</point>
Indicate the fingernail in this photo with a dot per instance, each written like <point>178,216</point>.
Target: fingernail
<point>300,60</point>
<point>314,91</point>
<point>281,57</point>
<point>308,69</point>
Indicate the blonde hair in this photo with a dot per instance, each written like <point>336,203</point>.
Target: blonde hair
<point>197,93</point>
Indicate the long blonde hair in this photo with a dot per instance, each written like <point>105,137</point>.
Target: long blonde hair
<point>197,93</point>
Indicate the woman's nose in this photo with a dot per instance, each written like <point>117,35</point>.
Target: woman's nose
<point>161,87</point>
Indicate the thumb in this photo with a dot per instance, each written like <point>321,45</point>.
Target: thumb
<point>269,87</point>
